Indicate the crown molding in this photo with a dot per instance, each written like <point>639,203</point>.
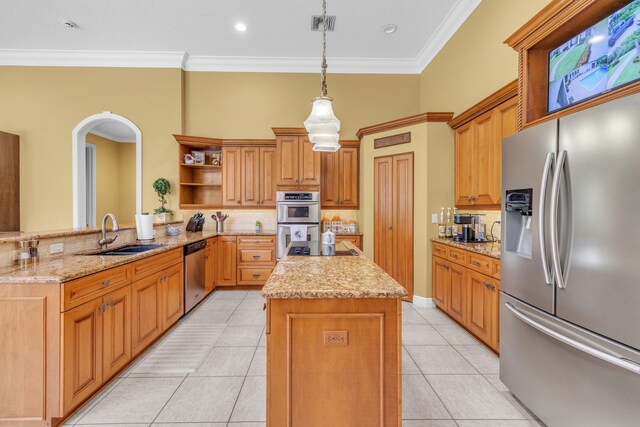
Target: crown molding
<point>254,64</point>
<point>149,59</point>
<point>447,28</point>
<point>432,117</point>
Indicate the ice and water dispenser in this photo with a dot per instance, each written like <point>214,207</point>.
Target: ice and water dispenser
<point>518,211</point>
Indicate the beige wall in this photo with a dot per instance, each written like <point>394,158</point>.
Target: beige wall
<point>473,64</point>
<point>44,104</point>
<point>248,105</point>
<point>433,186</point>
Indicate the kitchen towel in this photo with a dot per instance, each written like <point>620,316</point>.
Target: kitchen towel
<point>298,233</point>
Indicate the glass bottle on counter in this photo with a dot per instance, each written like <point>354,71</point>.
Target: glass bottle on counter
<point>441,225</point>
<point>454,226</point>
<point>448,225</point>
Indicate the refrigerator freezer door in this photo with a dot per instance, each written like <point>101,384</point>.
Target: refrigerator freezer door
<point>602,281</point>
<point>567,376</point>
<point>527,158</point>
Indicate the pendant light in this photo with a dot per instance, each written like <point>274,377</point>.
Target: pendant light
<point>322,125</point>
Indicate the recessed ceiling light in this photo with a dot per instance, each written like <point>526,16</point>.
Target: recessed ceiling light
<point>69,24</point>
<point>241,27</point>
<point>389,29</point>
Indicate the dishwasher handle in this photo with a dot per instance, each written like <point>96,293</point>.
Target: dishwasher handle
<point>194,247</point>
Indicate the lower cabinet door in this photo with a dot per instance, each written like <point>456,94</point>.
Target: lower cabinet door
<point>146,304</point>
<point>116,330</point>
<point>457,301</point>
<point>480,312</point>
<point>227,257</point>
<point>495,316</point>
<point>440,282</point>
<point>82,352</point>
<point>172,295</point>
<point>210,266</point>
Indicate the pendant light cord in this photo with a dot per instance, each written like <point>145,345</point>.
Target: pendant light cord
<point>323,80</point>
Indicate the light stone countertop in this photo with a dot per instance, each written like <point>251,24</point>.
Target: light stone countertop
<point>69,267</point>
<point>316,277</point>
<point>491,249</point>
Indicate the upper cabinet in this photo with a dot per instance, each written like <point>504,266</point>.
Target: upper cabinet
<point>340,177</point>
<point>248,176</point>
<point>200,184</point>
<point>297,163</point>
<point>478,148</point>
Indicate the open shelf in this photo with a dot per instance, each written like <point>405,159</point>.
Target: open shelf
<point>200,184</point>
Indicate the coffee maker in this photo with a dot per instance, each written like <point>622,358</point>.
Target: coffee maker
<point>467,225</point>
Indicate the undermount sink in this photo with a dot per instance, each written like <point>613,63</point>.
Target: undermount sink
<point>130,250</point>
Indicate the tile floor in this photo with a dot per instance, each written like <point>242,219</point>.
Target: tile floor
<point>209,371</point>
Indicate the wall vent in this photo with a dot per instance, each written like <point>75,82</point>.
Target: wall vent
<point>317,24</point>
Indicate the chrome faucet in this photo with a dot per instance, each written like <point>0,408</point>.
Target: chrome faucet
<point>104,241</point>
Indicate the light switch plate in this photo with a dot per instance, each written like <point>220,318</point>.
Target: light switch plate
<point>434,218</point>
<point>56,248</point>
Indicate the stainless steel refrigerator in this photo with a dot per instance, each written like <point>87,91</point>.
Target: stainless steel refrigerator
<point>570,280</point>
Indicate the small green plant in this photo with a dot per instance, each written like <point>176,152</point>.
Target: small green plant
<point>162,188</point>
<point>258,224</point>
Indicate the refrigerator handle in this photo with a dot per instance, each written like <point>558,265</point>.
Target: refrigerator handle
<point>609,358</point>
<point>553,218</point>
<point>542,208</point>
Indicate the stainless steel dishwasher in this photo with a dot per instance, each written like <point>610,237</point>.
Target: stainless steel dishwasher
<point>194,261</point>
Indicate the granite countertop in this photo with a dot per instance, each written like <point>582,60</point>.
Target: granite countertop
<point>491,249</point>
<point>69,267</point>
<point>315,277</point>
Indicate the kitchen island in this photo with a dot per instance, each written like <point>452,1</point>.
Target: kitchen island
<point>333,342</point>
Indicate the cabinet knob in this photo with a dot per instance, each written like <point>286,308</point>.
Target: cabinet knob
<point>256,257</point>
<point>389,226</point>
<point>110,303</point>
<point>106,283</point>
<point>103,308</point>
<point>255,276</point>
<point>239,201</point>
<point>474,262</point>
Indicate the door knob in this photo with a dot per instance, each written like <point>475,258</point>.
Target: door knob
<point>389,226</point>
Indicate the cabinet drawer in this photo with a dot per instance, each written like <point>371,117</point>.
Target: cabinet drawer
<point>353,239</point>
<point>257,241</point>
<point>458,255</point>
<point>495,268</point>
<point>440,250</point>
<point>257,256</point>
<point>253,275</point>
<point>156,263</point>
<point>480,263</point>
<point>87,288</point>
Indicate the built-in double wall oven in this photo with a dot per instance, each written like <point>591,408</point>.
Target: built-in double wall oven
<point>296,208</point>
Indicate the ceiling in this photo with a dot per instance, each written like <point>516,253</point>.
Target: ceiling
<point>115,131</point>
<point>200,34</point>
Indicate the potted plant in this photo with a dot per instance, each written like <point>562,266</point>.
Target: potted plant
<point>258,226</point>
<point>162,187</point>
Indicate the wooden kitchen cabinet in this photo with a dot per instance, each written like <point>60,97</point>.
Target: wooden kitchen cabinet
<point>268,179</point>
<point>250,176</point>
<point>464,289</point>
<point>480,307</point>
<point>440,282</point>
<point>340,178</point>
<point>226,275</point>
<point>172,283</point>
<point>116,331</point>
<point>297,163</point>
<point>146,320</point>
<point>82,352</point>
<point>355,239</point>
<point>232,176</point>
<point>457,296</point>
<point>479,132</point>
<point>256,258</point>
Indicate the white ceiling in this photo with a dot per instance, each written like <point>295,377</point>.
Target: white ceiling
<point>115,131</point>
<point>200,34</point>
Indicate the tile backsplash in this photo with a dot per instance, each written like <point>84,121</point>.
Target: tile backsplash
<point>239,219</point>
<point>489,217</point>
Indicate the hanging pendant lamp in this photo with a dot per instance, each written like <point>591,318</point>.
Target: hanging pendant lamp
<point>322,125</point>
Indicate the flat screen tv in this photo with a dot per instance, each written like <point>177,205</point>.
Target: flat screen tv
<point>603,57</point>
